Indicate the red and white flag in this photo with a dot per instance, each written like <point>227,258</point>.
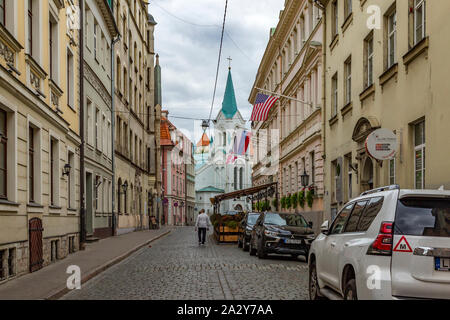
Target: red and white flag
<point>262,106</point>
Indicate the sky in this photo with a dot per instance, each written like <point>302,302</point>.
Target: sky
<point>187,39</point>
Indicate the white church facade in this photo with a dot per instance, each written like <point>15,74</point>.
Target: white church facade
<point>223,163</point>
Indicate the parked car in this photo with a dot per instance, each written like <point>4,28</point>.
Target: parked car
<point>245,229</point>
<point>281,233</point>
<point>388,243</point>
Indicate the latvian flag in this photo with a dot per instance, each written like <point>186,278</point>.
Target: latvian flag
<point>262,106</point>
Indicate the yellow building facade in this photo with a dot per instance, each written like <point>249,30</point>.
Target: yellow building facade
<point>39,149</point>
<point>386,67</point>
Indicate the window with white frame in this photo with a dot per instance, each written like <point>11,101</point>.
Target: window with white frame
<point>348,80</point>
<point>347,8</point>
<point>70,79</point>
<point>369,61</point>
<point>419,20</point>
<point>391,39</point>
<point>53,48</point>
<point>419,155</point>
<point>335,19</point>
<point>71,181</point>
<point>312,159</point>
<point>97,129</point>
<point>3,155</point>
<point>95,40</point>
<point>54,170</point>
<point>334,95</point>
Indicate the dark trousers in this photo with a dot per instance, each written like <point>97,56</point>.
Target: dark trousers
<point>201,235</point>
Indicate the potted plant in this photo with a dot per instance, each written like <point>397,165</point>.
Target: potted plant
<point>283,202</point>
<point>294,201</point>
<point>275,203</point>
<point>310,197</point>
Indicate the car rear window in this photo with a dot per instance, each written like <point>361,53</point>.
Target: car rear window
<point>423,217</point>
<point>352,222</point>
<point>370,213</point>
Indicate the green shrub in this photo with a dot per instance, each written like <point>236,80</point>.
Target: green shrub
<point>309,198</point>
<point>283,202</point>
<point>275,203</point>
<point>294,200</point>
<point>301,198</point>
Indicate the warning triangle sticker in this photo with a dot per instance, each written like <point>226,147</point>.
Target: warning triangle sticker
<point>403,246</point>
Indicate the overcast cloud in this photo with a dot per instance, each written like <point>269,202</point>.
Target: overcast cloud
<point>188,52</point>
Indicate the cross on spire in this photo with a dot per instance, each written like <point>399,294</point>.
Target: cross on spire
<point>229,62</point>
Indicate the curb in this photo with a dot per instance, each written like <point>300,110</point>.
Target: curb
<point>63,291</point>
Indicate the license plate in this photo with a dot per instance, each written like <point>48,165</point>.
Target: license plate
<point>442,264</point>
<point>293,241</point>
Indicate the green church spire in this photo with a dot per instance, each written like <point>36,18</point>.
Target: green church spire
<point>229,105</point>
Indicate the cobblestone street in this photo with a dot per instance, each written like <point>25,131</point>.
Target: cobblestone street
<point>175,267</point>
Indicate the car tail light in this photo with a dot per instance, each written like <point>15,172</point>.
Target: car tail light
<point>383,243</point>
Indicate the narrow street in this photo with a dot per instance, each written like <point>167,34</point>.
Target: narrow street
<point>175,267</point>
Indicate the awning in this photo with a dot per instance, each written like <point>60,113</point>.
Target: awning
<point>243,193</point>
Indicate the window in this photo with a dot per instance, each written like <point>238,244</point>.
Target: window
<point>53,48</point>
<point>54,246</point>
<point>419,20</point>
<point>335,19</point>
<point>423,217</point>
<point>235,178</point>
<point>356,215</point>
<point>70,80</point>
<point>2,12</point>
<point>347,8</point>
<point>97,129</point>
<point>368,44</point>
<point>339,223</point>
<point>89,134</point>
<point>391,39</point>
<point>334,96</point>
<point>348,80</point>
<point>392,178</point>
<point>71,181</point>
<point>2,269</point>
<point>30,27</point>
<point>11,261</point>
<point>419,154</point>
<point>348,160</point>
<point>370,213</point>
<point>313,169</point>
<point>31,161</point>
<point>3,155</point>
<point>95,39</point>
<point>54,169</point>
<point>241,178</point>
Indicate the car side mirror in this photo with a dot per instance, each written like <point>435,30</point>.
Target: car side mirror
<point>324,228</point>
<point>310,224</point>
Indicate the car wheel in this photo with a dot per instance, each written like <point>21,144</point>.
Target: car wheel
<point>313,283</point>
<point>239,242</point>
<point>294,256</point>
<point>245,245</point>
<point>261,253</point>
<point>306,258</point>
<point>350,290</point>
<point>251,250</point>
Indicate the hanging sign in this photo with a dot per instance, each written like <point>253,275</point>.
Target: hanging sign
<point>382,144</point>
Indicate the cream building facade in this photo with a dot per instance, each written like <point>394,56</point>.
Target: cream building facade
<point>289,143</point>
<point>393,76</point>
<point>99,32</point>
<point>39,135</point>
<point>138,112</point>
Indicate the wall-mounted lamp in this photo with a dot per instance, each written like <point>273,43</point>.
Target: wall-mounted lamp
<point>304,178</point>
<point>66,169</point>
<point>124,187</point>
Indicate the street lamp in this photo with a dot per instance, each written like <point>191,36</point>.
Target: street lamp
<point>304,178</point>
<point>205,125</point>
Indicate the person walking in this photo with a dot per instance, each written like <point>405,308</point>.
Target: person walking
<point>202,225</point>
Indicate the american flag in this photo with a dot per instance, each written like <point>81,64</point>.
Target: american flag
<point>262,106</point>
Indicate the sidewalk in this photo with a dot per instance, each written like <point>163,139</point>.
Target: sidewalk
<point>50,282</point>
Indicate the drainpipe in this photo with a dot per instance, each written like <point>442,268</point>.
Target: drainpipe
<point>82,135</point>
<point>113,125</point>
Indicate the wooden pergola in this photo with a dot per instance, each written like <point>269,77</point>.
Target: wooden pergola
<point>254,193</point>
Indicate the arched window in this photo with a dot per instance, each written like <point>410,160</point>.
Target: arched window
<point>241,178</point>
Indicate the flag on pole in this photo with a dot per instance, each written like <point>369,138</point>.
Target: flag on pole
<point>262,106</point>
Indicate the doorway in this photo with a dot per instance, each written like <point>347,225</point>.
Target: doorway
<point>367,175</point>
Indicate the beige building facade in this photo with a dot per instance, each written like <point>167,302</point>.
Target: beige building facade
<point>392,75</point>
<point>39,135</point>
<point>137,150</point>
<point>289,142</point>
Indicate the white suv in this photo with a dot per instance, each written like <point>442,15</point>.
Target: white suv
<point>386,244</point>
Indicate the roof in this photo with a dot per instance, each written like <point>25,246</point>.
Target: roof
<point>165,138</point>
<point>229,105</point>
<point>204,141</point>
<point>211,189</point>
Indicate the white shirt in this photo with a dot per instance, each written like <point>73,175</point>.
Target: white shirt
<point>203,221</point>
